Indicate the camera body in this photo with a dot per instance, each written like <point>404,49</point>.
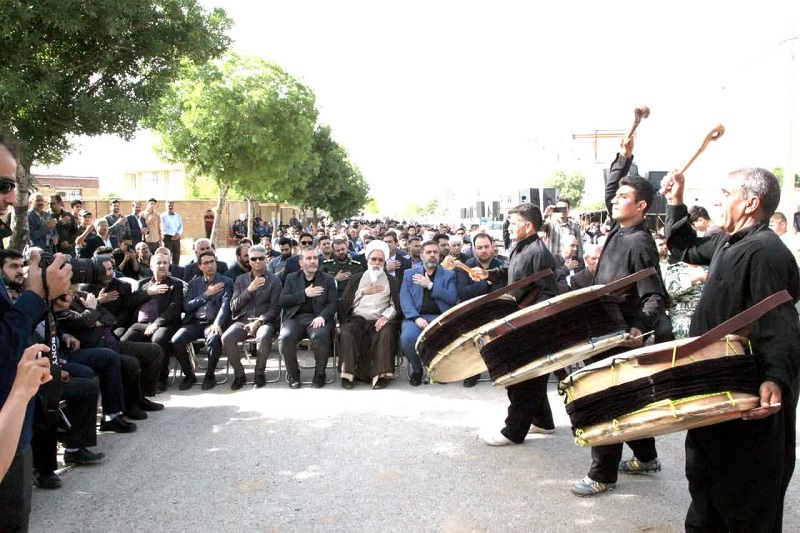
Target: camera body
<point>88,271</point>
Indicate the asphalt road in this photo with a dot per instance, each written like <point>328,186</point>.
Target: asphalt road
<point>400,459</point>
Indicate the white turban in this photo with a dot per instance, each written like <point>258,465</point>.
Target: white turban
<point>377,245</point>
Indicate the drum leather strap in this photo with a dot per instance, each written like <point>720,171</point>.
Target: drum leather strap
<point>728,327</point>
<point>569,303</point>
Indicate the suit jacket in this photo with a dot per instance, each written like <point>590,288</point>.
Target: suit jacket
<point>444,291</point>
<point>468,289</point>
<point>405,264</point>
<point>581,280</point>
<point>121,307</point>
<point>93,242</point>
<point>135,224</point>
<point>293,295</point>
<point>220,303</point>
<point>192,270</point>
<point>175,271</point>
<point>170,304</point>
<point>263,302</point>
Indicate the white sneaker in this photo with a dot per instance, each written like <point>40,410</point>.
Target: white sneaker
<point>497,439</point>
<point>537,429</point>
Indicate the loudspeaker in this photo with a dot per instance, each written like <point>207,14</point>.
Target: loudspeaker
<point>634,171</point>
<point>496,211</point>
<point>530,196</point>
<point>471,212</point>
<point>549,196</point>
<point>463,212</point>
<point>480,209</point>
<point>659,206</point>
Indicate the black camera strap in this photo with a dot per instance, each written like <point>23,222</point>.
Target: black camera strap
<point>53,388</point>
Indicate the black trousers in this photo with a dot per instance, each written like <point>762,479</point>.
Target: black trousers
<point>15,493</point>
<point>528,405</point>
<point>605,459</point>
<point>739,471</point>
<point>162,337</point>
<point>174,247</point>
<point>293,330</point>
<point>151,361</point>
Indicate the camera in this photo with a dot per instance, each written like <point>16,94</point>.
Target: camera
<point>559,209</point>
<point>89,271</point>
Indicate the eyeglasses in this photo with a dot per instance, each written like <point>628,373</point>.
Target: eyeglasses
<point>262,258</point>
<point>306,243</point>
<point>7,185</point>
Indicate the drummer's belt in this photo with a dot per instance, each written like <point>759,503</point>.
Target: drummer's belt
<point>727,374</point>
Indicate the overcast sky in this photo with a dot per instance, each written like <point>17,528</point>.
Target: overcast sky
<point>480,96</point>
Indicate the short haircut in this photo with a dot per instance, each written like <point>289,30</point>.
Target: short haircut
<point>114,201</point>
<point>305,249</point>
<point>125,237</point>
<point>56,197</point>
<point>697,211</point>
<point>29,252</point>
<point>323,237</point>
<point>284,241</point>
<point>565,201</point>
<point>9,255</point>
<point>258,248</point>
<point>591,248</point>
<point>659,236</point>
<point>529,213</point>
<point>339,242</point>
<point>198,241</point>
<point>642,189</point>
<point>304,234</point>
<point>482,236</point>
<point>414,238</point>
<point>780,217</point>
<point>99,222</point>
<point>239,249</point>
<point>75,202</point>
<point>207,253</point>
<point>369,237</point>
<point>391,234</point>
<point>430,243</point>
<point>152,200</point>
<point>440,236</point>
<point>245,240</point>
<point>163,250</point>
<point>103,250</point>
<point>762,184</point>
<point>10,144</point>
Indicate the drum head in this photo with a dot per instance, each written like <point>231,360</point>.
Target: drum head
<point>456,362</point>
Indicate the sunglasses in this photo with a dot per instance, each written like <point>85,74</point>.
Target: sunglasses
<point>257,258</point>
<point>306,243</point>
<point>7,185</point>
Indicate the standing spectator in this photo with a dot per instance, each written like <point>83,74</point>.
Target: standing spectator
<point>152,220</point>
<point>42,226</point>
<point>172,229</point>
<point>561,225</point>
<point>208,221</point>
<point>67,225</point>
<point>76,206</point>
<point>117,222</point>
<point>137,223</point>
<point>797,220</point>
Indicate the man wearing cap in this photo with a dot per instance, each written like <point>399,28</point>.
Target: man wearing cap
<point>369,311</point>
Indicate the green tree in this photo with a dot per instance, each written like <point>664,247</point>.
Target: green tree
<point>338,186</point>
<point>570,186</point>
<point>91,67</point>
<point>778,171</point>
<point>241,121</point>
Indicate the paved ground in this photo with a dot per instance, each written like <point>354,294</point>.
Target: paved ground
<point>400,459</point>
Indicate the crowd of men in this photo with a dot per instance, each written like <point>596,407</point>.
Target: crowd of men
<point>375,286</point>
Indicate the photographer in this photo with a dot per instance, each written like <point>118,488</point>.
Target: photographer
<point>17,321</point>
<point>67,227</point>
<point>125,257</point>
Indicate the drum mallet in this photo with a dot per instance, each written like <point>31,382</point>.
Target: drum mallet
<point>713,135</point>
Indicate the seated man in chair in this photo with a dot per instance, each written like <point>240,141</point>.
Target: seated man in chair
<point>369,312</point>
<point>427,291</point>
<point>309,301</point>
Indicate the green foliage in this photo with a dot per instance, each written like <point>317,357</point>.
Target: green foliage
<point>778,171</point>
<point>241,121</point>
<point>337,186</point>
<point>570,186</point>
<point>598,205</point>
<point>372,208</point>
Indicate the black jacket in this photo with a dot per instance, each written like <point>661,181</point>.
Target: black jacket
<point>293,295</point>
<point>170,304</point>
<point>528,256</point>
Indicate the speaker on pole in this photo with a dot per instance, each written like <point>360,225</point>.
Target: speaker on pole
<point>529,196</point>
<point>659,206</point>
<point>549,196</point>
<point>463,212</point>
<point>480,209</point>
<point>495,210</point>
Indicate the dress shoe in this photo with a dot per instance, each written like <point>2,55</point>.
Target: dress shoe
<point>415,379</point>
<point>117,425</point>
<point>294,383</point>
<point>83,457</point>
<point>318,382</point>
<point>260,380</point>
<point>162,385</point>
<point>238,383</point>
<point>149,405</point>
<point>47,481</point>
<point>187,382</point>
<point>135,412</point>
<point>347,384</point>
<point>380,384</point>
<point>209,382</point>
<point>471,381</point>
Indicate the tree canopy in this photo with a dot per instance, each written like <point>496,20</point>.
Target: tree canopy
<point>242,121</point>
<point>92,67</point>
<point>570,186</point>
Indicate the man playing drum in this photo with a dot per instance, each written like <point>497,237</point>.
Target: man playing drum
<point>529,409</point>
<point>629,248</point>
<point>738,471</point>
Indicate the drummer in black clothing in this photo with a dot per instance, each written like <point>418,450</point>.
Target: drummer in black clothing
<point>629,248</point>
<point>738,471</point>
<point>529,410</point>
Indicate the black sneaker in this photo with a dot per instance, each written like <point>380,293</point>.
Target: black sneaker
<point>238,383</point>
<point>47,481</point>
<point>347,384</point>
<point>135,412</point>
<point>294,383</point>
<point>380,384</point>
<point>318,382</point>
<point>117,425</point>
<point>83,457</point>
<point>471,381</point>
<point>187,382</point>
<point>260,380</point>
<point>209,382</point>
<point>415,379</point>
<point>149,405</point>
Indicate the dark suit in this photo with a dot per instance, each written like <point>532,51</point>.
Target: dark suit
<point>581,280</point>
<point>562,272</point>
<point>135,224</point>
<point>201,313</point>
<point>93,242</point>
<point>405,264</point>
<point>192,271</point>
<point>247,307</point>
<point>469,289</point>
<point>296,325</point>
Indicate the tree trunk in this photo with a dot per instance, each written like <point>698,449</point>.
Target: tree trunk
<point>20,233</point>
<point>223,194</point>
<point>250,218</point>
<point>314,211</point>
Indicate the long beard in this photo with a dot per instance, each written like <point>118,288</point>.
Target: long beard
<point>374,274</point>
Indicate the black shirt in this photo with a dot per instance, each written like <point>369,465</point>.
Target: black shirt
<point>528,256</point>
<point>307,307</point>
<point>429,306</point>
